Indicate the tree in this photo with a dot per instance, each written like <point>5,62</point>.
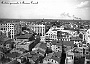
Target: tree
<point>81,36</point>
<point>48,50</point>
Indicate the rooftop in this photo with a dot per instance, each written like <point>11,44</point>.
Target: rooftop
<point>26,36</point>
<point>75,38</point>
<point>13,55</point>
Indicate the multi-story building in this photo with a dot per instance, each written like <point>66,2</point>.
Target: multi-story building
<point>51,61</point>
<point>69,58</point>
<point>56,48</point>
<point>54,58</point>
<point>52,35</point>
<point>38,28</point>
<point>87,36</point>
<point>18,28</point>
<point>9,28</point>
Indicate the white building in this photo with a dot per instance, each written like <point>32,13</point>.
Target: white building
<point>8,27</point>
<point>56,48</point>
<point>38,28</point>
<point>87,36</point>
<point>42,39</point>
<point>52,61</point>
<point>51,34</point>
<point>69,57</point>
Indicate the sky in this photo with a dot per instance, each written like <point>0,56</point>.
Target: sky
<point>47,9</point>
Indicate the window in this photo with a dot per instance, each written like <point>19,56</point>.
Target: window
<point>56,47</point>
<point>52,60</point>
<point>4,28</point>
<point>87,52</point>
<point>55,56</point>
<point>7,46</point>
<point>48,59</point>
<point>88,62</point>
<point>55,61</point>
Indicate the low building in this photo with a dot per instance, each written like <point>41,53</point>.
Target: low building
<point>26,37</point>
<point>76,39</point>
<point>26,46</point>
<point>69,57</point>
<point>87,58</point>
<point>54,58</point>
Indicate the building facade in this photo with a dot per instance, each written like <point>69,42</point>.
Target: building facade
<point>87,36</point>
<point>9,28</point>
<point>38,28</point>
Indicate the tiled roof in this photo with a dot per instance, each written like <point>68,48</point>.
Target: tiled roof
<point>88,56</point>
<point>3,49</point>
<point>21,49</point>
<point>54,29</point>
<point>13,55</point>
<point>77,54</point>
<point>68,43</point>
<point>2,42</point>
<point>41,52</point>
<point>75,38</point>
<point>28,55</point>
<point>56,56</point>
<point>9,41</point>
<point>14,62</point>
<point>32,53</point>
<point>26,36</point>
<point>43,45</point>
<point>53,42</point>
<point>56,59</point>
<point>3,38</point>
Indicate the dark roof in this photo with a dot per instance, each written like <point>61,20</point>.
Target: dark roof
<point>62,34</point>
<point>75,39</point>
<point>59,43</point>
<point>43,45</point>
<point>13,54</point>
<point>26,36</point>
<point>56,56</point>
<point>2,42</point>
<point>40,51</point>
<point>56,59</point>
<point>32,53</point>
<point>21,49</point>
<point>54,42</point>
<point>9,41</point>
<point>88,56</point>
<point>3,49</point>
<point>68,43</point>
<point>28,55</point>
<point>77,54</point>
<point>14,62</point>
<point>3,38</point>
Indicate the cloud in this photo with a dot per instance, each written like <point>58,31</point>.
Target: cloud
<point>70,16</point>
<point>85,4</point>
